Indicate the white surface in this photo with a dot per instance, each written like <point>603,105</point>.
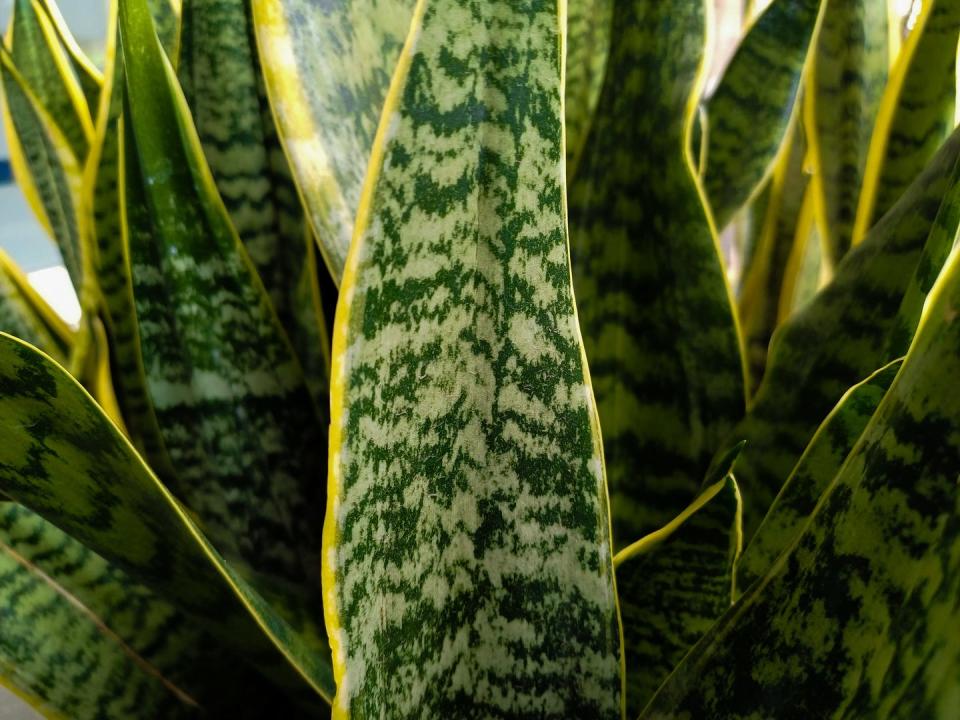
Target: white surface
<point>13,708</point>
<point>53,283</point>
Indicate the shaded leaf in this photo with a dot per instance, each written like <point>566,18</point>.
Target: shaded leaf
<point>588,45</point>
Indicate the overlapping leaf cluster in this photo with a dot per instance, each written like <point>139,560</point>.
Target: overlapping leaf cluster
<point>447,358</point>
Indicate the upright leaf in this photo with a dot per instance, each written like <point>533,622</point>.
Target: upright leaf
<point>656,313</point>
<point>814,472</point>
<point>838,338</point>
<point>916,114</point>
<point>62,458</point>
<point>467,535</point>
<point>88,75</point>
<point>327,67</point>
<point>858,618</point>
<point>230,399</point>
<point>588,46</point>
<point>673,584</point>
<point>753,107</point>
<point>221,78</point>
<point>24,314</point>
<point>845,87</point>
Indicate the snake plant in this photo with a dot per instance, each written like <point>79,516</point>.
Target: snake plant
<point>472,359</point>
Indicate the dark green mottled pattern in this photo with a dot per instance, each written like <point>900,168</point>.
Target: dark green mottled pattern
<point>588,45</point>
<point>762,286</point>
<point>753,106</point>
<point>63,459</point>
<point>858,619</point>
<point>327,67</point>
<point>468,573</point>
<point>45,161</point>
<point>923,115</point>
<point>671,595</point>
<point>815,470</point>
<point>655,310</point>
<point>846,84</point>
<point>34,57</point>
<point>836,340</point>
<point>242,431</point>
<point>221,79</point>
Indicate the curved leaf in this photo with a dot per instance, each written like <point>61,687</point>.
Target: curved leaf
<point>657,317</point>
<point>88,75</point>
<point>467,534</point>
<point>327,67</point>
<point>231,402</point>
<point>858,617</point>
<point>24,314</point>
<point>816,468</point>
<point>916,114</point>
<point>838,338</point>
<point>62,458</point>
<point>845,87</point>
<point>753,107</point>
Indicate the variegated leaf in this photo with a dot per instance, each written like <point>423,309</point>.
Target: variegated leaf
<point>588,45</point>
<point>467,535</point>
<point>656,313</point>
<point>327,66</point>
<point>24,314</point>
<point>858,618</point>
<point>87,73</point>
<point>62,458</point>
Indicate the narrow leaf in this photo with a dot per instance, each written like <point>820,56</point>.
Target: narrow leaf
<point>753,107</point>
<point>88,75</point>
<point>24,314</point>
<point>467,534</point>
<point>327,67</point>
<point>656,312</point>
<point>588,46</point>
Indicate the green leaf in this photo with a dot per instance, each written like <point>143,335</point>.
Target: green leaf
<point>222,82</point>
<point>47,170</point>
<point>753,108</point>
<point>327,67</point>
<point>916,114</point>
<point>588,45</point>
<point>24,314</point>
<point>762,286</point>
<point>858,618</point>
<point>673,584</point>
<point>48,74</point>
<point>816,468</point>
<point>845,87</point>
<point>62,458</point>
<point>838,338</point>
<point>82,639</point>
<point>656,312</point>
<point>234,411</point>
<point>467,534</point>
<point>87,74</point>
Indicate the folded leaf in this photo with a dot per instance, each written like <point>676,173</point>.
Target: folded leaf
<point>844,91</point>
<point>48,73</point>
<point>816,468</point>
<point>655,309</point>
<point>837,339</point>
<point>588,45</point>
<point>230,399</point>
<point>62,458</point>
<point>916,114</point>
<point>80,638</point>
<point>222,82</point>
<point>327,67</point>
<point>753,107</point>
<point>673,588</point>
<point>858,617</point>
<point>467,534</point>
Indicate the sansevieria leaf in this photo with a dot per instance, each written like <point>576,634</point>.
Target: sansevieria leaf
<point>657,317</point>
<point>673,584</point>
<point>588,45</point>
<point>467,535</point>
<point>89,75</point>
<point>81,638</point>
<point>838,339</point>
<point>858,617</point>
<point>916,114</point>
<point>24,314</point>
<point>230,398</point>
<point>327,67</point>
<point>841,102</point>
<point>815,470</point>
<point>62,458</point>
<point>753,107</point>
